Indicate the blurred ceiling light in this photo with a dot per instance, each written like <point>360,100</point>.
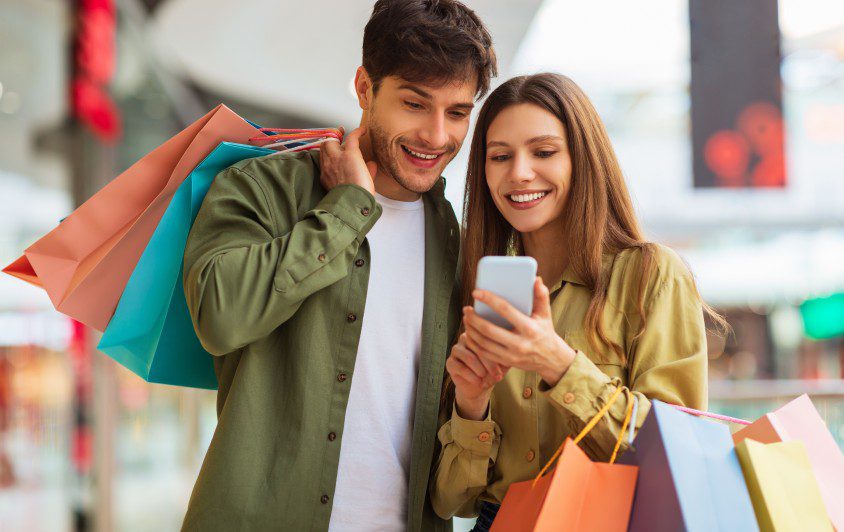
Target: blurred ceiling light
<point>801,18</point>
<point>10,103</point>
<point>1,90</point>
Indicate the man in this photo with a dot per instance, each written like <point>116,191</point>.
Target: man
<point>327,415</point>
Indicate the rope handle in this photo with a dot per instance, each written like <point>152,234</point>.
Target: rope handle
<point>589,426</point>
<point>276,134</point>
<point>720,417</point>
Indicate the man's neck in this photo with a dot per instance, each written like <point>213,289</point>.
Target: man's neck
<point>384,182</point>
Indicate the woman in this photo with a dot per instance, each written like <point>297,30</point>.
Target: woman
<point>610,309</point>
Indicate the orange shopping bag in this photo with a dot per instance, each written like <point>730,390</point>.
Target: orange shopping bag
<point>799,420</point>
<point>85,262</point>
<point>577,495</point>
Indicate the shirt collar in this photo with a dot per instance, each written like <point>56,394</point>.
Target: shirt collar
<point>571,277</point>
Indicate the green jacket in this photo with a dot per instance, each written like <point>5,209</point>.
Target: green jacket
<point>276,273</point>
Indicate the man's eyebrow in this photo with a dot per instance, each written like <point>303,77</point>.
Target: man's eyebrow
<point>464,105</point>
<point>417,90</point>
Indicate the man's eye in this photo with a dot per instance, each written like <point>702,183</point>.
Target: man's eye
<point>459,114</point>
<point>413,105</point>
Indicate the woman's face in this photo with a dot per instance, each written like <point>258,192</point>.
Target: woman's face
<point>528,167</point>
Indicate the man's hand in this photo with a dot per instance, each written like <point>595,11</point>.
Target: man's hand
<point>344,164</point>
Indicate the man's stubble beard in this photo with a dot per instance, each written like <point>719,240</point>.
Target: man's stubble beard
<point>380,145</point>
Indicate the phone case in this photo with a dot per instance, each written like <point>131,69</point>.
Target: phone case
<point>511,278</point>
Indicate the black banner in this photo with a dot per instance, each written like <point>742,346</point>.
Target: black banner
<point>737,125</point>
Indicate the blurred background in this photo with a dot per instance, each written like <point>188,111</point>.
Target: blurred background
<point>728,121</point>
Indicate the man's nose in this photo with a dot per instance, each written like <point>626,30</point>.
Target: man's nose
<point>434,134</point>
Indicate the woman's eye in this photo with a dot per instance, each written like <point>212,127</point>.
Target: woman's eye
<point>499,158</point>
<point>544,154</point>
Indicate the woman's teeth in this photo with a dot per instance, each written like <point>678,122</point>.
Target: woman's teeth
<point>420,155</point>
<point>523,198</point>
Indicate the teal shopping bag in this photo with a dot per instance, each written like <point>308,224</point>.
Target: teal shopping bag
<point>151,332</point>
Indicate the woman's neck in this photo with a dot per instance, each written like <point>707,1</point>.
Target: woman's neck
<point>547,247</point>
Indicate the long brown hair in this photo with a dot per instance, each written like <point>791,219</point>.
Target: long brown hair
<point>599,218</point>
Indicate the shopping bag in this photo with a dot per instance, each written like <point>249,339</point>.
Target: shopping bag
<point>85,262</point>
<point>577,495</point>
<point>689,475</point>
<point>151,332</point>
<point>800,420</point>
<point>782,486</point>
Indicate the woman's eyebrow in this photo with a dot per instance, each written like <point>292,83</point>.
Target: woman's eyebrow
<point>542,138</point>
<point>531,140</point>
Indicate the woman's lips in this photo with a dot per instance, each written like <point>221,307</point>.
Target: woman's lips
<point>523,205</point>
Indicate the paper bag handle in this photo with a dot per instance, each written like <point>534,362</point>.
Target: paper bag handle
<point>589,426</point>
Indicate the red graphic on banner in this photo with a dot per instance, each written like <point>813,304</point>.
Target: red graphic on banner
<point>752,154</point>
<point>94,62</point>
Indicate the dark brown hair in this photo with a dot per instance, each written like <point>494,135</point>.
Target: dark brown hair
<point>435,41</point>
<point>599,217</point>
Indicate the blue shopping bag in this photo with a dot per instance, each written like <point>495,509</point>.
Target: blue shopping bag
<point>151,332</point>
<point>689,476</point>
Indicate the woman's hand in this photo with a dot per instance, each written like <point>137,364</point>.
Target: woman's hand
<point>533,344</point>
<point>473,380</point>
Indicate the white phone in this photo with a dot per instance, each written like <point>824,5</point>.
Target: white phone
<point>511,278</point>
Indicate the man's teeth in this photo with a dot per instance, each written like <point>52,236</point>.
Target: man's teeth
<point>522,198</point>
<point>420,155</point>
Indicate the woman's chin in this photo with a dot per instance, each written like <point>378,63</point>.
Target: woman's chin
<point>527,226</point>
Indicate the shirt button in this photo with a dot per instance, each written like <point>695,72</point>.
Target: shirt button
<point>321,257</point>
<point>351,317</point>
<point>530,456</point>
<point>527,393</point>
<point>332,436</point>
<point>483,436</point>
<point>365,211</point>
<point>359,263</point>
<point>568,398</point>
<point>324,499</point>
<point>342,377</point>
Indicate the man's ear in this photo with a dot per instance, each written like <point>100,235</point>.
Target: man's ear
<point>363,88</point>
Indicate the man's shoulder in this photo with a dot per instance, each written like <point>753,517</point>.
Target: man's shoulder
<point>289,166</point>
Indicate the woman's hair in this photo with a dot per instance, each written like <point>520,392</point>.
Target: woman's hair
<point>598,218</point>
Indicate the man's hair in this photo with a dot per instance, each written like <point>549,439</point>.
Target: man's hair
<point>433,41</point>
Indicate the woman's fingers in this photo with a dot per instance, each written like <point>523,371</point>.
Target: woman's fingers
<point>462,374</point>
<point>502,308</point>
<point>541,299</point>
<point>487,328</point>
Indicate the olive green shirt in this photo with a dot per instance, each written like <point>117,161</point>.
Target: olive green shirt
<point>528,420</point>
<point>276,275</point>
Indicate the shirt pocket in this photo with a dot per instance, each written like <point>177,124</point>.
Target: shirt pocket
<point>605,357</point>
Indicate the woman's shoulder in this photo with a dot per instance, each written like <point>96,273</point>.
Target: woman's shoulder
<point>662,265</point>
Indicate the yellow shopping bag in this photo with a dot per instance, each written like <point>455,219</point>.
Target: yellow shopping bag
<point>782,486</point>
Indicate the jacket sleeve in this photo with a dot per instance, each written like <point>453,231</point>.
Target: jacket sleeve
<point>246,271</point>
<point>468,450</point>
<point>667,362</point>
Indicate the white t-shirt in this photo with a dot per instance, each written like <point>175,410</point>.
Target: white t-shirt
<point>372,479</point>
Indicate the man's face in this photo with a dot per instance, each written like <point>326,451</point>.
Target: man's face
<point>416,129</point>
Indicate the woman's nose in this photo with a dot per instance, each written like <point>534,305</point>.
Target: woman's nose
<point>521,171</point>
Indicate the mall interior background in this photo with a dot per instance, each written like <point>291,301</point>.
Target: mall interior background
<point>85,444</point>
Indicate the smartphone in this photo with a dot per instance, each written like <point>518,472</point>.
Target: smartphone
<point>511,278</point>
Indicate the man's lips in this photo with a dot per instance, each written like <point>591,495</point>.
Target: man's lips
<point>421,159</point>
